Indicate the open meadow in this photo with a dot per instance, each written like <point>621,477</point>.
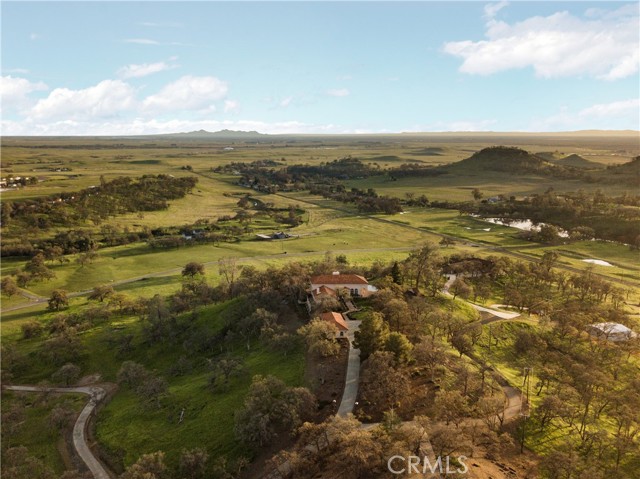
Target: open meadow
<point>127,256</point>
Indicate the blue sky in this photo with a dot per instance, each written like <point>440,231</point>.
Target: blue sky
<point>318,67</point>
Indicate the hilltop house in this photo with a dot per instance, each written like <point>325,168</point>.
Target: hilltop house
<point>356,285</point>
<point>338,321</point>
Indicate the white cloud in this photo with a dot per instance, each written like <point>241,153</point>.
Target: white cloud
<point>153,126</point>
<point>15,86</point>
<point>606,47</point>
<point>144,69</point>
<point>14,91</point>
<point>339,92</point>
<point>106,99</point>
<point>616,108</point>
<point>617,115</point>
<point>187,93</point>
<point>142,41</point>
<point>492,9</point>
<point>34,36</point>
<point>231,106</point>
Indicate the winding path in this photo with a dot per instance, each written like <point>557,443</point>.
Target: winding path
<point>96,394</point>
<point>477,307</point>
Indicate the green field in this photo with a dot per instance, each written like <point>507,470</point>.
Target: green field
<point>125,428</point>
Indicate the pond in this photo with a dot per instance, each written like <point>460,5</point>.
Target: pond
<point>524,225</point>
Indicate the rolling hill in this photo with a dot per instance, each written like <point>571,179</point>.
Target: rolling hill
<point>577,161</point>
<point>503,158</point>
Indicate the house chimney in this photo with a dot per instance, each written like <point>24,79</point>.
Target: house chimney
<point>336,273</point>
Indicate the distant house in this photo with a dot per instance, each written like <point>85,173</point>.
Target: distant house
<point>357,285</point>
<point>614,332</point>
<point>273,236</point>
<point>338,321</point>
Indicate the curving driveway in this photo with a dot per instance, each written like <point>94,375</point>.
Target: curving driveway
<point>96,394</point>
<point>353,373</point>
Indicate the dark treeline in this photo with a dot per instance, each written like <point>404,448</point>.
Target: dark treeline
<point>119,196</point>
<point>223,229</point>
<point>366,201</point>
<point>262,176</point>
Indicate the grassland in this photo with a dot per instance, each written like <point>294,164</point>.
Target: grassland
<point>125,428</point>
<point>44,443</point>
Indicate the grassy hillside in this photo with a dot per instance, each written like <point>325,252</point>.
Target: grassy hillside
<point>127,427</point>
<point>502,158</point>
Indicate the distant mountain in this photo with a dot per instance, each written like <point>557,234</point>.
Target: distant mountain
<point>220,135</point>
<point>577,161</point>
<point>504,158</point>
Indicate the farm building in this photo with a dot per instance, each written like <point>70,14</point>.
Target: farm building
<point>615,332</point>
<point>274,236</point>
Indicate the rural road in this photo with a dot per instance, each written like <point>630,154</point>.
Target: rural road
<point>96,394</point>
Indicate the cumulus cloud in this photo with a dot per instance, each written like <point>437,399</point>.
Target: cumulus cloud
<point>16,86</point>
<point>187,93</point>
<point>604,45</point>
<point>144,69</point>
<point>339,92</point>
<point>106,99</point>
<point>14,91</point>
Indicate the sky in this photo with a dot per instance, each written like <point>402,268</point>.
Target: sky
<point>116,68</point>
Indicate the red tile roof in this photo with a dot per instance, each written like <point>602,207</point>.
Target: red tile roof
<point>338,279</point>
<point>336,319</point>
<point>323,291</point>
